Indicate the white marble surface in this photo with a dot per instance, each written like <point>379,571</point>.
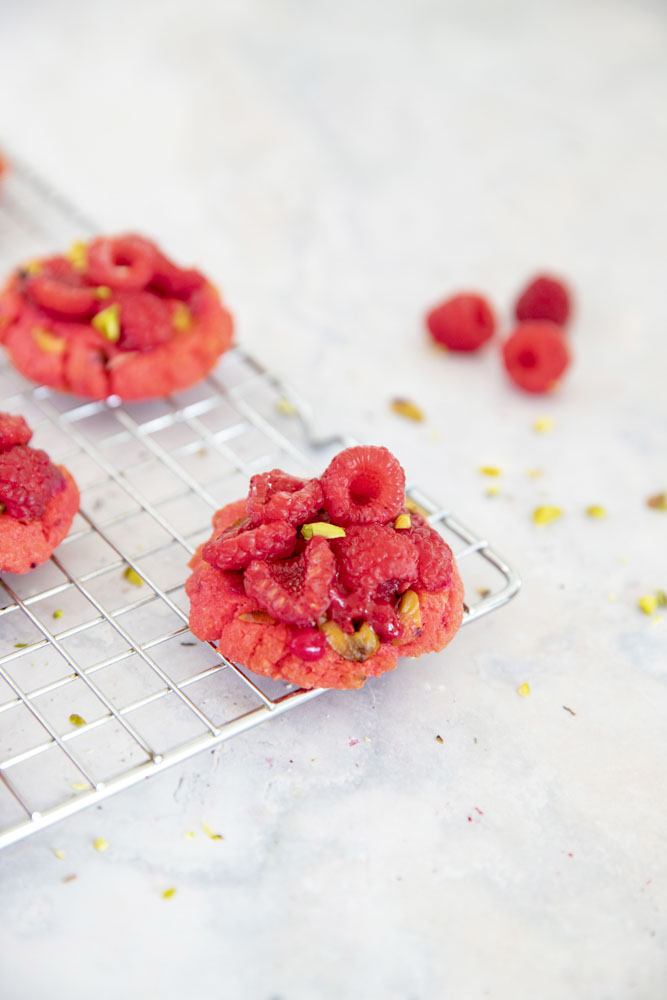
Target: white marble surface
<point>338,168</point>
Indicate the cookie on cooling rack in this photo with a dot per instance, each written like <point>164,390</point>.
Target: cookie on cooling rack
<point>38,500</point>
<point>113,317</point>
<point>325,582</point>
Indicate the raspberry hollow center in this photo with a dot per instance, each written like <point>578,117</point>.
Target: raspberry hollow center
<point>527,359</point>
<point>364,488</point>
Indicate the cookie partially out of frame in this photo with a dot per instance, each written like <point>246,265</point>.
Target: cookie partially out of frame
<point>38,500</point>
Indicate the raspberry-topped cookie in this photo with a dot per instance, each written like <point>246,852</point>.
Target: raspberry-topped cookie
<point>325,582</point>
<point>113,317</point>
<point>38,500</point>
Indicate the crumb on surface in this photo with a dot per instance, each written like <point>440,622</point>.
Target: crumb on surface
<point>524,689</point>
<point>546,513</point>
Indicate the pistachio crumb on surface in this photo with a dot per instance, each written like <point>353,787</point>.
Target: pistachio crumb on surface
<point>596,511</point>
<point>406,408</point>
<point>543,424</point>
<point>60,854</point>
<point>100,844</point>
<point>286,407</point>
<point>490,470</point>
<point>77,720</point>
<point>402,522</point>
<point>523,690</point>
<point>492,491</point>
<point>209,832</point>
<point>546,514</point>
<point>58,613</point>
<point>658,501</point>
<point>168,893</point>
<point>132,577</point>
<point>648,603</point>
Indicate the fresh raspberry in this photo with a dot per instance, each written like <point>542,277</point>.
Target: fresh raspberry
<point>145,321</point>
<point>433,552</point>
<point>308,644</point>
<point>350,610</point>
<point>544,298</point>
<point>363,485</point>
<point>372,555</point>
<point>60,289</point>
<point>237,546</point>
<point>462,323</point>
<point>168,279</point>
<point>123,262</point>
<point>277,496</point>
<point>294,590</point>
<point>28,480</point>
<point>13,431</point>
<point>536,355</point>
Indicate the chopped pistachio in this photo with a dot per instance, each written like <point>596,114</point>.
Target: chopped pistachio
<point>107,322</point>
<point>406,408</point>
<point>523,690</point>
<point>190,835</point>
<point>133,577</point>
<point>286,407</point>
<point>257,618</point>
<point>181,318</point>
<point>492,491</point>
<point>80,786</point>
<point>546,514</point>
<point>323,529</point>
<point>490,470</point>
<point>77,255</point>
<point>658,501</point>
<point>648,603</point>
<point>209,832</point>
<point>168,893</point>
<point>403,521</point>
<point>21,645</point>
<point>77,720</point>
<point>59,854</point>
<point>48,342</point>
<point>101,845</point>
<point>595,510</point>
<point>58,613</point>
<point>662,598</point>
<point>356,647</point>
<point>543,424</point>
<point>102,292</point>
<point>32,268</point>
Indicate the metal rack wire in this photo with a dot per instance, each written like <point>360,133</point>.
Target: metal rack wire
<point>101,683</point>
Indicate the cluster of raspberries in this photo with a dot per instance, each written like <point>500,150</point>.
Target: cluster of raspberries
<point>325,582</point>
<point>341,549</point>
<point>535,354</point>
<point>28,478</point>
<point>121,284</point>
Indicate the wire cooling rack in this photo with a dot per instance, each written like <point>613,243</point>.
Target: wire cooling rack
<point>101,683</point>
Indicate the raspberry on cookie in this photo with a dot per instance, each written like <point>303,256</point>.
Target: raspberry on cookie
<point>38,500</point>
<point>325,582</point>
<point>113,317</point>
